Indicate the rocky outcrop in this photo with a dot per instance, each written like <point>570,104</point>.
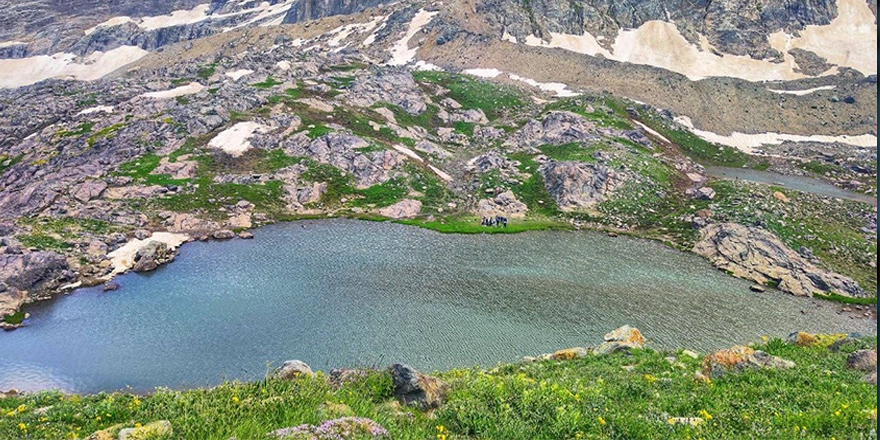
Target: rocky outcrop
<point>394,86</point>
<point>341,151</point>
<point>556,128</point>
<point>579,185</point>
<point>403,209</point>
<point>862,360</point>
<point>152,255</point>
<point>505,204</point>
<point>740,358</point>
<point>417,389</point>
<point>304,10</point>
<point>25,276</point>
<point>758,255</point>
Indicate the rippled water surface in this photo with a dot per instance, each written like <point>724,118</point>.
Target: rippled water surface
<point>347,293</point>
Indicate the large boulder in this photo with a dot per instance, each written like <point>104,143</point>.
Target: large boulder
<point>25,276</point>
<point>740,358</point>
<point>622,338</point>
<point>395,87</point>
<point>557,128</point>
<point>293,369</point>
<point>758,255</point>
<point>505,204</point>
<point>862,360</point>
<point>152,255</point>
<point>578,185</point>
<point>417,389</point>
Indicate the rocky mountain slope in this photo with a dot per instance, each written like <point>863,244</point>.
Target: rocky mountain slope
<point>400,111</point>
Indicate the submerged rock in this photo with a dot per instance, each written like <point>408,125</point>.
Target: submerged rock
<point>416,389</point>
<point>758,255</point>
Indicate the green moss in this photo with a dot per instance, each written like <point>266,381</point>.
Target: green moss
<point>80,130</point>
<point>268,83</point>
<point>532,191</point>
<point>181,81</point>
<point>207,71</point>
<point>7,162</point>
<point>106,132</point>
<point>382,195</point>
<point>44,242</point>
<point>495,100</point>
<point>14,319</point>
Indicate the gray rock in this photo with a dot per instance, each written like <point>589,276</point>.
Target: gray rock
<point>223,234</point>
<point>30,275</point>
<point>557,128</point>
<point>758,255</point>
<point>292,369</point>
<point>862,360</point>
<point>152,255</point>
<point>416,389</point>
<point>579,185</point>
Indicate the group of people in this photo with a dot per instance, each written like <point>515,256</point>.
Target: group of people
<point>494,221</point>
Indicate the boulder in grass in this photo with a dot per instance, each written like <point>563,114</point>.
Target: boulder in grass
<point>623,338</point>
<point>293,369</point>
<point>344,428</point>
<point>862,360</point>
<point>413,388</point>
<point>150,431</point>
<point>740,358</point>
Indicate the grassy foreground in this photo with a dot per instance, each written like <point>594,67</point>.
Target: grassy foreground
<point>621,396</point>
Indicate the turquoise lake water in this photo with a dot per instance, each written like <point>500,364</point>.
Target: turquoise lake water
<point>343,293</point>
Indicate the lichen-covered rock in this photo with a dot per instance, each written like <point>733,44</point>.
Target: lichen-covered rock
<point>557,128</point>
<point>150,431</point>
<point>223,234</point>
<point>578,185</point>
<point>622,338</point>
<point>417,389</point>
<point>345,428</point>
<point>740,358</point>
<point>293,369</point>
<point>27,275</point>
<point>758,255</point>
<point>569,354</point>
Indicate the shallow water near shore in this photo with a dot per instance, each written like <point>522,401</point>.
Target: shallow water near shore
<point>343,293</point>
<point>798,183</point>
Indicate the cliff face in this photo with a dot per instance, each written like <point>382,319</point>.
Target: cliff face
<point>304,10</point>
<point>738,27</point>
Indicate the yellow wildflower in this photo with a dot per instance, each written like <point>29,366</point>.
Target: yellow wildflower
<point>650,378</point>
<point>601,420</point>
<point>22,426</point>
<point>705,415</point>
<point>235,399</point>
<point>21,408</point>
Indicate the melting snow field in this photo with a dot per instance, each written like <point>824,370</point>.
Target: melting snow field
<point>123,258</point>
<point>98,109</point>
<point>189,89</point>
<point>401,54</point>
<point>802,92</point>
<point>24,71</point>
<point>849,40</point>
<point>234,140</point>
<point>749,142</point>
<point>238,74</point>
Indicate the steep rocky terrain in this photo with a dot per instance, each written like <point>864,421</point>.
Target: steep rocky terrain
<point>428,114</point>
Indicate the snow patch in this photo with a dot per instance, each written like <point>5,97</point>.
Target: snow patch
<point>483,73</point>
<point>560,89</point>
<point>176,18</point>
<point>115,21</point>
<point>653,132</point>
<point>189,89</point>
<point>238,74</point>
<point>408,152</point>
<point>283,65</point>
<point>24,71</point>
<point>401,54</point>
<point>750,142</point>
<point>235,140</point>
<point>802,92</point>
<point>123,258</point>
<point>98,109</point>
<point>10,43</point>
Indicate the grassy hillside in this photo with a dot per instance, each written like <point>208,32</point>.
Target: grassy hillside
<point>632,395</point>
